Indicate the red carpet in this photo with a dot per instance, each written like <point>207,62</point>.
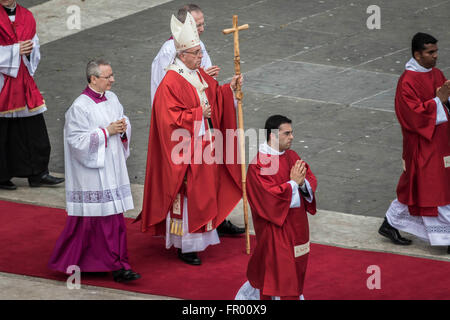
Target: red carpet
<point>28,234</point>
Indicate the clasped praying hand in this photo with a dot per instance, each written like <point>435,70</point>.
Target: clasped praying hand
<point>119,126</point>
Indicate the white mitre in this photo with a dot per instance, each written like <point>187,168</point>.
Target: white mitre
<point>185,35</point>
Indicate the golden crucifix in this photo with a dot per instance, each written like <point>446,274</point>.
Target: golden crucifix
<point>239,96</point>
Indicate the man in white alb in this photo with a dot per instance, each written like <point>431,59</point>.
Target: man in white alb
<point>96,145</point>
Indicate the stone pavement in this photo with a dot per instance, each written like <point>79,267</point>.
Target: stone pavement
<point>314,61</point>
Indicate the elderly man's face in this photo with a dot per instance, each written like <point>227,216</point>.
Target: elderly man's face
<point>199,20</point>
<point>192,57</point>
<point>103,82</point>
<point>7,3</point>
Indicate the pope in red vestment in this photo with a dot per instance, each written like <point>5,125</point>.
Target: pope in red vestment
<point>213,190</point>
<point>193,178</point>
<point>279,209</point>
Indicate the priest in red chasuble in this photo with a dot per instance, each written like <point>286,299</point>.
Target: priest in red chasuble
<point>422,206</point>
<point>186,195</point>
<point>280,189</point>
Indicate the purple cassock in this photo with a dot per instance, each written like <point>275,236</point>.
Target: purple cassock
<point>97,187</point>
<point>94,244</point>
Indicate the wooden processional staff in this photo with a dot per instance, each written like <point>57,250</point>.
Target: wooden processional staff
<point>239,95</point>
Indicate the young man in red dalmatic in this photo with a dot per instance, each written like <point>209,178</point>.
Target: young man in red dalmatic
<point>24,142</point>
<point>280,189</point>
<point>186,197</point>
<point>422,206</point>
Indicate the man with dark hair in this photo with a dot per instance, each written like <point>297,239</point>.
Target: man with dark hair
<point>273,123</point>
<point>96,145</point>
<point>167,53</point>
<point>24,143</point>
<point>422,206</point>
<point>420,40</point>
<point>280,189</point>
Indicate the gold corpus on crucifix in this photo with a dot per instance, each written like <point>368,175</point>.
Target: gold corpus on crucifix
<point>239,95</point>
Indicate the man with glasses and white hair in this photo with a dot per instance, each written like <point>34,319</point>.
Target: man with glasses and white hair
<point>186,201</point>
<point>166,54</point>
<point>96,145</point>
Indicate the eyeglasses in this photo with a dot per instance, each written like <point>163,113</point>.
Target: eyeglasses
<point>107,77</point>
<point>201,25</point>
<point>195,53</point>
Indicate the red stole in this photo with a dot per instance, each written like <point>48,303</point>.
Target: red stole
<point>20,92</point>
<point>425,184</point>
<point>212,190</point>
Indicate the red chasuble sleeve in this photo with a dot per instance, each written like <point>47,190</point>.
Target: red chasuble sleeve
<point>174,137</point>
<point>224,118</point>
<point>223,115</point>
<point>309,207</point>
<point>267,192</point>
<point>415,109</point>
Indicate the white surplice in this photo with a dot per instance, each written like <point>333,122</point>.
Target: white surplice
<point>9,65</point>
<point>434,230</point>
<point>97,182</point>
<point>164,58</point>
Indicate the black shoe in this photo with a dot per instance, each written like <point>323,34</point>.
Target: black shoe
<point>448,249</point>
<point>45,180</point>
<point>189,258</point>
<point>123,275</point>
<point>227,228</point>
<point>8,185</point>
<point>390,232</point>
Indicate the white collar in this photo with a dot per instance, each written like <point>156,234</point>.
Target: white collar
<point>100,93</point>
<point>180,63</point>
<point>15,6</point>
<point>266,149</point>
<point>413,65</point>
